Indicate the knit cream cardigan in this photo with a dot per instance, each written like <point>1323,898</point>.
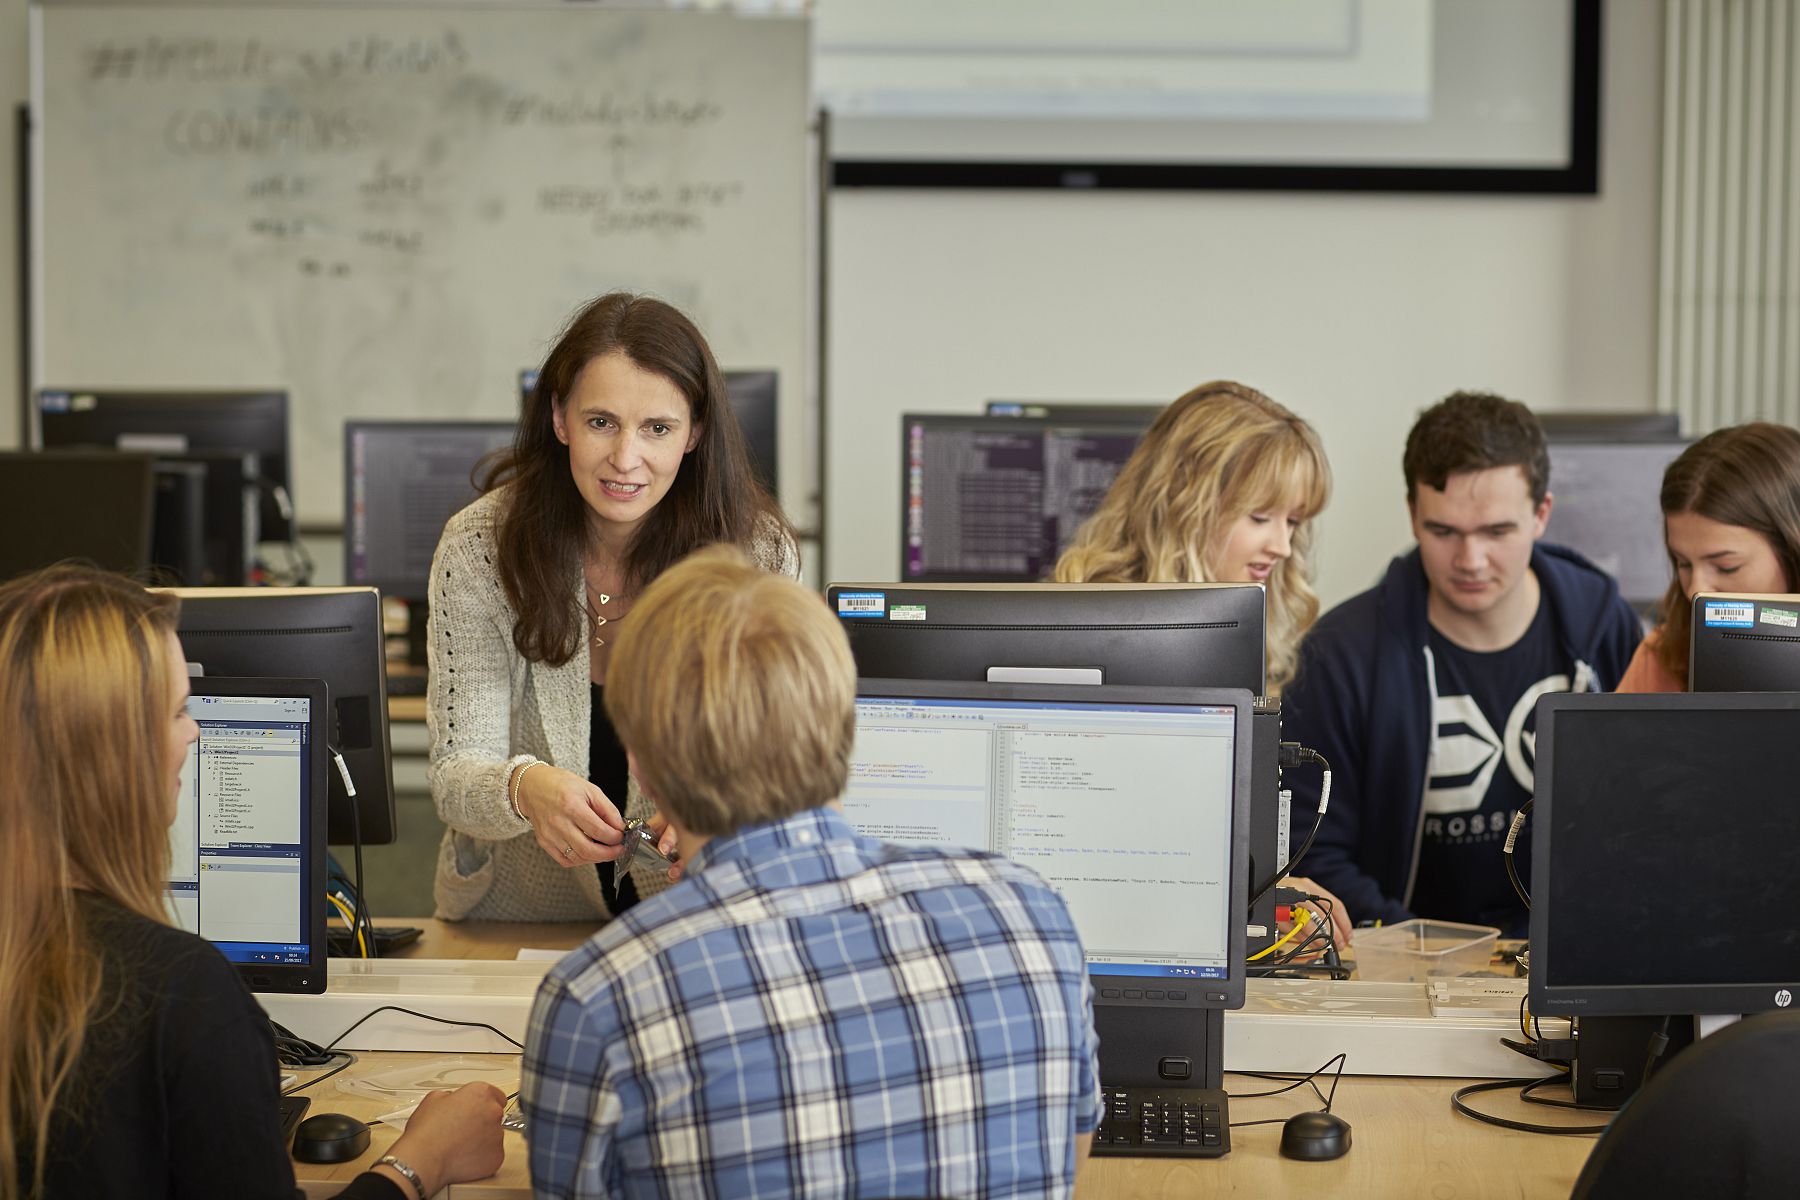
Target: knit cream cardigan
<point>488,710</point>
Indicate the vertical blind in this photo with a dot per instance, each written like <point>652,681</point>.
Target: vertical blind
<point>1728,309</point>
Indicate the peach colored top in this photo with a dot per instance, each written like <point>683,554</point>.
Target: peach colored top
<point>1645,673</point>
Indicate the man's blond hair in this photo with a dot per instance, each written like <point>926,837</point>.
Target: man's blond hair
<point>735,692</point>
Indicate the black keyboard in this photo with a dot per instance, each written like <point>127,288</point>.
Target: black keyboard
<point>1163,1122</point>
<point>292,1109</point>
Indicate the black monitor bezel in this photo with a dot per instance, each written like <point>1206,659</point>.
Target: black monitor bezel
<point>276,462</point>
<point>131,551</point>
<point>371,767</point>
<point>294,978</point>
<point>1015,595</point>
<point>1549,998</point>
<point>1242,704</point>
<point>1579,443</point>
<point>1123,424</point>
<point>1075,410</point>
<point>1713,667</point>
<point>414,593</point>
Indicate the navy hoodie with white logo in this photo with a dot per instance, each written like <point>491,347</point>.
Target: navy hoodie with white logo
<point>1362,697</point>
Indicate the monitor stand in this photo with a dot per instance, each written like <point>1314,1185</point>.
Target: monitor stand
<point>1610,1053</point>
<point>1167,1047</point>
<point>417,618</point>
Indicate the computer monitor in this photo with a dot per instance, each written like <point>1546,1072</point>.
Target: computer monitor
<point>333,634</point>
<point>1076,410</point>
<point>754,397</point>
<point>1144,634</point>
<point>95,507</point>
<point>176,422</point>
<point>178,527</point>
<point>1603,425</point>
<point>1131,802</point>
<point>1196,635</point>
<point>231,516</point>
<point>1608,506</point>
<point>402,481</point>
<point>998,499</point>
<point>247,847</point>
<point>1744,643</point>
<point>1664,850</point>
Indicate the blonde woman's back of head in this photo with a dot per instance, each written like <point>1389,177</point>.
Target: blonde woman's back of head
<point>1219,452</point>
<point>83,688</point>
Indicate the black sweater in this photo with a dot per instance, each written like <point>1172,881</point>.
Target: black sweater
<point>175,1091</point>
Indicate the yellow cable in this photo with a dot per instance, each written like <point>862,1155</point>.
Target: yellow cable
<point>349,918</point>
<point>1301,921</point>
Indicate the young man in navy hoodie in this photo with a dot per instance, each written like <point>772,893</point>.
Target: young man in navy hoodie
<point>1421,692</point>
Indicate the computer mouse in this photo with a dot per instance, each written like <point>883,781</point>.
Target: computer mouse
<point>1313,1136</point>
<point>330,1138</point>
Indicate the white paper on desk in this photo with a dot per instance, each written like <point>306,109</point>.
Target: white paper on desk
<point>531,954</point>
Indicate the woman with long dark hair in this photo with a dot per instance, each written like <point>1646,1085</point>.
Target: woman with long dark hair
<point>1731,522</point>
<point>627,457</point>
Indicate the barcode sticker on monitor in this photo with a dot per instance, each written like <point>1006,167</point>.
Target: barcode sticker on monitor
<point>1730,615</point>
<point>862,604</point>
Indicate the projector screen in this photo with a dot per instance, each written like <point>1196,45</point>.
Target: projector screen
<point>1357,94</point>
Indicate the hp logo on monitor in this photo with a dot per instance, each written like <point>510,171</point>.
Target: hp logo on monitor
<point>1783,998</point>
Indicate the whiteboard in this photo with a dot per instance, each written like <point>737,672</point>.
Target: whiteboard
<point>391,210</point>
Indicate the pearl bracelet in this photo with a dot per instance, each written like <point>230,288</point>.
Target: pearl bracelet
<point>512,790</point>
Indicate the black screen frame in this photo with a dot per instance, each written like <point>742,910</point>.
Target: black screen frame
<point>1128,422</point>
<point>1722,659</point>
<point>294,978</point>
<point>1040,614</point>
<point>1554,997</point>
<point>413,591</point>
<point>1204,994</point>
<point>239,629</point>
<point>1578,176</point>
<point>183,412</point>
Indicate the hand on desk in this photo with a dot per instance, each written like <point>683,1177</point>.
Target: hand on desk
<point>452,1137</point>
<point>574,822</point>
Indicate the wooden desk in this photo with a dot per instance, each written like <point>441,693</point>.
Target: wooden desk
<point>1406,1140</point>
<point>406,708</point>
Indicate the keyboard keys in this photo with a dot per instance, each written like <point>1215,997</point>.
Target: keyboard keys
<point>1163,1121</point>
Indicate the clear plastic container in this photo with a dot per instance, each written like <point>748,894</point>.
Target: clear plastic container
<point>1416,950</point>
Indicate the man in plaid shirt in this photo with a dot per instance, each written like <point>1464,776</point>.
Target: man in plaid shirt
<point>809,1013</point>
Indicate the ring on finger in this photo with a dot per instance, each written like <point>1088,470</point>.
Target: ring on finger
<point>568,852</point>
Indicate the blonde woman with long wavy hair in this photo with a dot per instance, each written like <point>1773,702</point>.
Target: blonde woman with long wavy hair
<point>133,1061</point>
<point>1222,489</point>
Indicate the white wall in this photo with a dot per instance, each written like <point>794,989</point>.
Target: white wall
<point>15,89</point>
<point>1356,311</point>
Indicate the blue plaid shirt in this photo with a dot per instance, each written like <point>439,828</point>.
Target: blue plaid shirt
<point>812,1013</point>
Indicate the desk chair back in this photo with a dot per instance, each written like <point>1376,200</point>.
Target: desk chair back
<point>1720,1119</point>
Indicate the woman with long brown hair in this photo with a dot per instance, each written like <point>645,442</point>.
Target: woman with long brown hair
<point>1731,522</point>
<point>133,1061</point>
<point>627,457</point>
